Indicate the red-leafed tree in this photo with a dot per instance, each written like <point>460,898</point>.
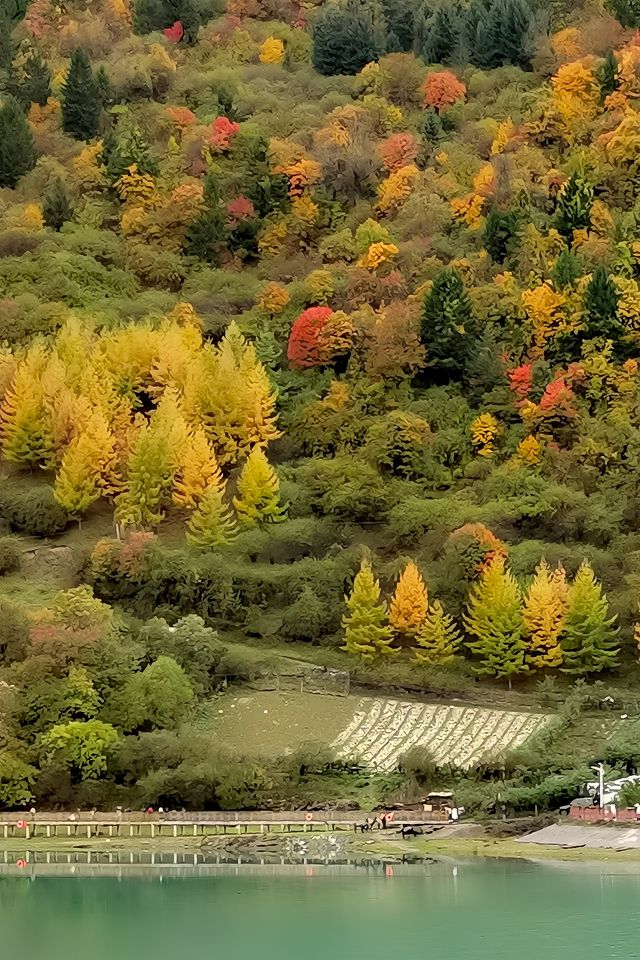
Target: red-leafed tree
<point>521,380</point>
<point>175,33</point>
<point>398,150</point>
<point>240,209</point>
<point>222,133</point>
<point>302,350</point>
<point>442,89</point>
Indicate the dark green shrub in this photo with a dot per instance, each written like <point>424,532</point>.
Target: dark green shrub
<point>33,512</point>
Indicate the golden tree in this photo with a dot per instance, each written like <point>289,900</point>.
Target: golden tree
<point>197,470</point>
<point>258,496</point>
<point>211,524</point>
<point>544,615</point>
<point>27,431</point>
<point>366,632</point>
<point>438,639</point>
<point>408,607</point>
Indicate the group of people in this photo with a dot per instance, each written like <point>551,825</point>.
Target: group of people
<point>380,822</point>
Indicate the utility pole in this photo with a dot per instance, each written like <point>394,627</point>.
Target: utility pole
<point>600,770</point>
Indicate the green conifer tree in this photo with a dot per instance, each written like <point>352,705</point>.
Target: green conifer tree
<point>399,17</point>
<point>442,36</point>
<point>574,206</point>
<point>207,233</point>
<point>56,209</point>
<point>438,639</point>
<point>211,524</point>
<point>502,34</point>
<point>566,269</point>
<point>601,308</point>
<point>366,632</point>
<point>501,233</point>
<point>81,99</point>
<point>17,150</point>
<point>472,20</point>
<point>104,87</point>
<point>590,638</point>
<point>7,45</point>
<point>35,84</point>
<point>432,126</point>
<point>447,327</point>
<point>494,618</point>
<point>626,12</point>
<point>346,37</point>
<point>422,17</point>
<point>608,75</point>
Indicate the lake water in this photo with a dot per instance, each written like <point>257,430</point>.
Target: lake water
<point>479,910</point>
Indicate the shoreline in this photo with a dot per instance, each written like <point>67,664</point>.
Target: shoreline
<point>381,849</point>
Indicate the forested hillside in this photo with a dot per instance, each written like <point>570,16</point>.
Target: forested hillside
<point>319,327</point>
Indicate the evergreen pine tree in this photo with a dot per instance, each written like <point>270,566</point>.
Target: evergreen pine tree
<point>421,19</point>
<point>494,618</point>
<point>544,615</point>
<point>35,86</point>
<point>501,233</point>
<point>7,45</point>
<point>399,17</point>
<point>472,22</point>
<point>104,87</point>
<point>601,308</point>
<point>345,38</point>
<point>56,209</point>
<point>502,35</point>
<point>211,524</point>
<point>17,150</point>
<point>442,36</point>
<point>207,232</point>
<point>366,632</point>
<point>447,324</point>
<point>608,75</point>
<point>626,12</point>
<point>258,496</point>
<point>408,607</point>
<point>149,15</point>
<point>81,99</point>
<point>590,635</point>
<point>566,269</point>
<point>432,126</point>
<point>438,639</point>
<point>574,206</point>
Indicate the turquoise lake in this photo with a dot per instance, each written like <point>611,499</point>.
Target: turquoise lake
<point>480,910</point>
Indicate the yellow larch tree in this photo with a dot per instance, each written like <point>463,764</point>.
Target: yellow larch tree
<point>89,468</point>
<point>544,615</point>
<point>438,639</point>
<point>149,479</point>
<point>27,431</point>
<point>197,470</point>
<point>366,631</point>
<point>211,524</point>
<point>258,495</point>
<point>409,604</point>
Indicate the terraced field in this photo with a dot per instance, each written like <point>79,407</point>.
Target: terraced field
<point>381,730</point>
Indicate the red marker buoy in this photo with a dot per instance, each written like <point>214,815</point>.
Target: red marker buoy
<point>21,864</point>
<point>22,824</point>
